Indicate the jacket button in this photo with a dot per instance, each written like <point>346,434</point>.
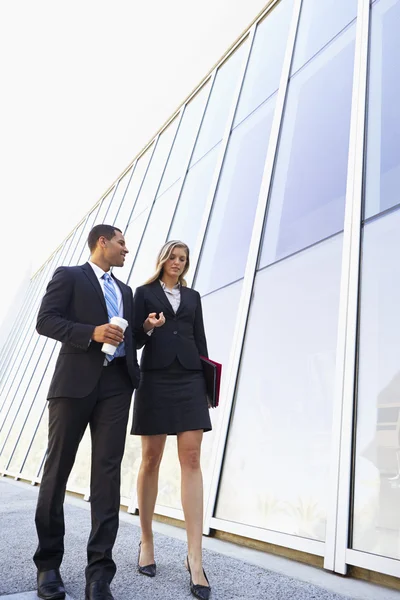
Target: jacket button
<point>175,332</point>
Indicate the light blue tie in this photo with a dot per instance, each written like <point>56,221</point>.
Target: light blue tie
<point>110,296</point>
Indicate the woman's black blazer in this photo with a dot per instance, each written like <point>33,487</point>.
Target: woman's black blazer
<point>182,336</point>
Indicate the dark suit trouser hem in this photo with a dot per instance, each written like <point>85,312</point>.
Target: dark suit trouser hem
<point>106,411</point>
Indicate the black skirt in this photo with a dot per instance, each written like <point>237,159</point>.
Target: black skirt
<point>170,401</point>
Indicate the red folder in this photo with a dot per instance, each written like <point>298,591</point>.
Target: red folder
<point>212,374</point>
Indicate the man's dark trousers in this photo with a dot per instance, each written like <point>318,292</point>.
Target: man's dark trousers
<point>106,411</point>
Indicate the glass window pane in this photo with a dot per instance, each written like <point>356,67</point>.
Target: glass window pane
<point>276,468</point>
<point>132,238</point>
<point>265,64</point>
<point>220,103</point>
<point>20,384</point>
<point>37,449</point>
<point>320,22</point>
<point>23,400</point>
<point>185,139</point>
<point>128,203</point>
<point>35,414</point>
<point>219,340</point>
<point>376,520</point>
<point>104,207</point>
<point>309,186</point>
<point>227,241</point>
<point>117,199</point>
<point>154,236</point>
<point>383,148</point>
<point>189,213</point>
<point>156,168</point>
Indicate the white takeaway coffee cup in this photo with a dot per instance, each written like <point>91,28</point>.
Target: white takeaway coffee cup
<point>109,348</point>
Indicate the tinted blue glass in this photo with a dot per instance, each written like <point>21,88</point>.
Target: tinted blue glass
<point>309,187</point>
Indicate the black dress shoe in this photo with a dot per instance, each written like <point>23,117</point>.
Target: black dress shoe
<point>149,570</point>
<point>50,585</point>
<point>98,590</point>
<point>199,591</point>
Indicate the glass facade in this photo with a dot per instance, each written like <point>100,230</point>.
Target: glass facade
<point>286,195</point>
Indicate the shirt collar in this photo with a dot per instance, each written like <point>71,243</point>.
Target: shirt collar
<point>164,287</point>
<point>98,271</point>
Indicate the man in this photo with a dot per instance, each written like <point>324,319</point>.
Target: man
<point>88,388</point>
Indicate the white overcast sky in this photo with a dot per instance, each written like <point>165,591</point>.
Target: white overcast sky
<point>84,86</point>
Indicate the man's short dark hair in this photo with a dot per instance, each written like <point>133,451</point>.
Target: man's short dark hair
<point>98,231</point>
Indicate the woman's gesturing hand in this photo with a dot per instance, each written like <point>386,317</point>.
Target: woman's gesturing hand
<point>151,322</point>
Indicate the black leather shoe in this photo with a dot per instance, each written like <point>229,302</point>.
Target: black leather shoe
<point>199,591</point>
<point>50,585</point>
<point>98,590</point>
<point>149,570</point>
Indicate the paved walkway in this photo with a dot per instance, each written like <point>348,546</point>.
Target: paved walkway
<point>235,573</point>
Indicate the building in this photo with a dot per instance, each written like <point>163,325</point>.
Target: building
<point>281,171</point>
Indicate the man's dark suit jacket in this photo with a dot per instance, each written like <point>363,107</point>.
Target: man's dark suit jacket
<point>182,336</point>
<point>72,307</point>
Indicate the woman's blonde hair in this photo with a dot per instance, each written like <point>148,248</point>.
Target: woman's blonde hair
<point>164,255</point>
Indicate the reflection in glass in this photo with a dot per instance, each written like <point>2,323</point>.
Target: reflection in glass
<point>276,467</point>
<point>219,105</point>
<point>154,236</point>
<point>219,340</point>
<point>309,185</point>
<point>383,148</point>
<point>192,201</point>
<point>265,65</point>
<point>320,22</point>
<point>376,524</point>
<point>128,203</point>
<point>185,139</point>
<point>227,241</point>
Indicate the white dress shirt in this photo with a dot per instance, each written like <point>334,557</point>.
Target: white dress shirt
<point>99,274</point>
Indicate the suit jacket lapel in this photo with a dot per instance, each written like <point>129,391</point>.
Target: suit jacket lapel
<point>159,292</point>
<point>87,269</point>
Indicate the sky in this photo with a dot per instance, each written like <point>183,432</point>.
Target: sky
<point>85,85</point>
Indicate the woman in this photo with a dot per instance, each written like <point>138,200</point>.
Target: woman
<point>171,400</point>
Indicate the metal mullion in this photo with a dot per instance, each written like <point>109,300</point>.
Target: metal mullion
<point>343,409</point>
<point>111,199</point>
<point>195,256</point>
<point>24,334</point>
<point>250,271</point>
<point>155,144</point>
<point>19,317</point>
<point>186,169</point>
<point>18,334</point>
<point>30,407</point>
<point>126,189</point>
<point>29,322</point>
<point>277,538</point>
<point>181,113</point>
<point>373,562</point>
<point>41,286</point>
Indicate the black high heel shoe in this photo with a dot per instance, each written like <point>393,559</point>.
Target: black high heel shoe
<point>199,591</point>
<point>149,570</point>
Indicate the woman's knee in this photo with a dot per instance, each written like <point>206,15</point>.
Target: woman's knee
<point>190,458</point>
<point>151,461</point>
